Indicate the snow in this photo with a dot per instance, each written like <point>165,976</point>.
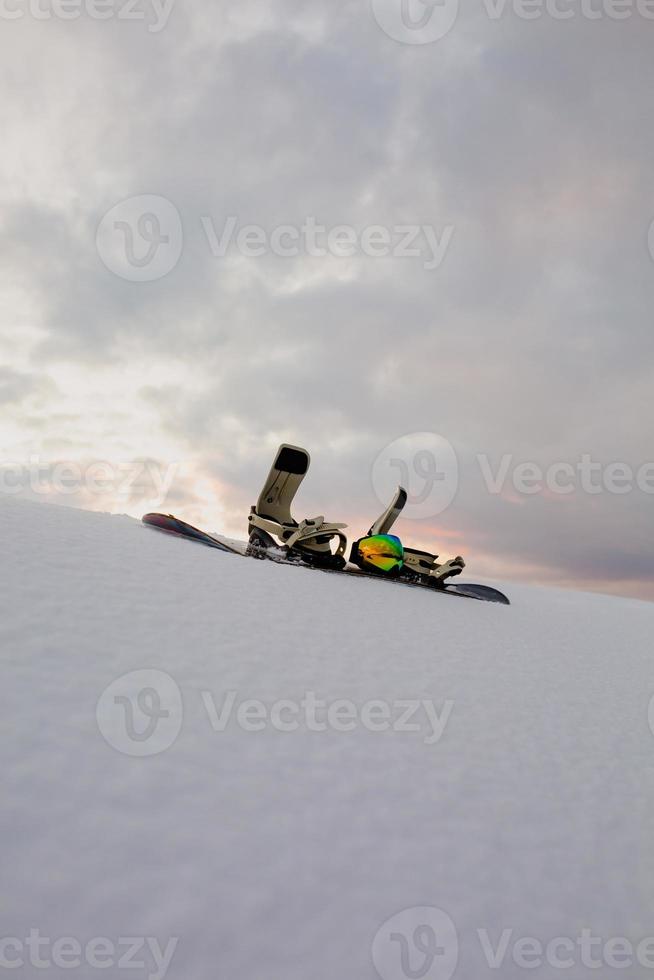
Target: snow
<point>280,855</point>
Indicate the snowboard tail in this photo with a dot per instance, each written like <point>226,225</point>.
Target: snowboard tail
<point>173,525</point>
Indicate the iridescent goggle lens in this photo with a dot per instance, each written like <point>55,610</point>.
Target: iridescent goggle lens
<point>382,551</point>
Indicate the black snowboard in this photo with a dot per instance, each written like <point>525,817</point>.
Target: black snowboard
<point>172,525</point>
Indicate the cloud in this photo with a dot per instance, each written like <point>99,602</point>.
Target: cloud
<point>532,338</point>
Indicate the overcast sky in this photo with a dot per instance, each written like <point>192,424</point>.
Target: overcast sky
<point>508,149</point>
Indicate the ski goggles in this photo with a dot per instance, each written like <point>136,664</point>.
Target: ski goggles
<point>378,553</point>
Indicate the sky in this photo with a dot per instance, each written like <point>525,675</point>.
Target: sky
<point>415,238</point>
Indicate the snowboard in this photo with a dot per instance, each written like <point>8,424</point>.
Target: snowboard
<point>172,525</point>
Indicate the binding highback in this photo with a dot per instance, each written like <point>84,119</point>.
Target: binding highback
<point>384,523</point>
<point>283,482</point>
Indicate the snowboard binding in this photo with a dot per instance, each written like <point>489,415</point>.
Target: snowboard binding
<point>272,528</point>
<point>271,525</point>
<point>372,554</point>
<point>274,534</point>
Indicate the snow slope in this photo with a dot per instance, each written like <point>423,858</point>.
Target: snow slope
<point>279,855</point>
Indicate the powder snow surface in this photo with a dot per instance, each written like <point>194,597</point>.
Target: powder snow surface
<point>279,855</point>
